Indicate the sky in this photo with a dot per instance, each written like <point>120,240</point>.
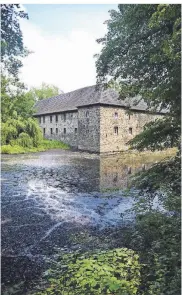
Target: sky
<point>63,41</point>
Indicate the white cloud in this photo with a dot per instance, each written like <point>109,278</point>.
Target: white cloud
<point>66,62</point>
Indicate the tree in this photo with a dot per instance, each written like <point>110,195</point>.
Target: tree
<point>44,91</point>
<point>141,55</point>
<point>141,52</point>
<point>12,46</point>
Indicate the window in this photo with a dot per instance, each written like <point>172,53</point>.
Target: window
<point>44,130</point>
<point>43,119</point>
<point>75,130</point>
<point>51,130</point>
<point>115,115</point>
<point>116,130</point>
<point>56,118</point>
<point>56,130</point>
<point>64,117</point>
<point>40,120</point>
<point>64,130</point>
<point>130,130</point>
<point>129,116</point>
<point>87,114</point>
<point>50,119</point>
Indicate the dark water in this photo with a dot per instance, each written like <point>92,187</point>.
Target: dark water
<point>59,200</point>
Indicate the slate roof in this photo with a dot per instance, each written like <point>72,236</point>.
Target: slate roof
<point>90,95</point>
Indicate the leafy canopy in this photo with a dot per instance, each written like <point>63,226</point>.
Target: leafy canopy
<point>142,54</point>
<point>12,46</point>
<point>44,91</point>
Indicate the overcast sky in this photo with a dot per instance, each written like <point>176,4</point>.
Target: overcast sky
<point>62,38</point>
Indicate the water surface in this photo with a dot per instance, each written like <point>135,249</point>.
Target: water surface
<point>60,200</point>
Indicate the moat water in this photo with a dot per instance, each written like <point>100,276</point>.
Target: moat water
<point>61,201</point>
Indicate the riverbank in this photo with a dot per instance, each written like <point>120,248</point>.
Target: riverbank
<point>44,146</point>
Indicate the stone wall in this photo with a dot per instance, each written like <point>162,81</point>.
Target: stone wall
<point>89,128</point>
<point>117,127</point>
<point>64,129</point>
<point>100,129</point>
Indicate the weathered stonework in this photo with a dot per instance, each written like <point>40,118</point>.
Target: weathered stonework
<point>117,127</point>
<point>93,120</point>
<point>66,127</point>
<point>89,128</point>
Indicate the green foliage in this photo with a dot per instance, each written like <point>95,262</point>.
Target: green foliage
<point>12,47</point>
<point>42,92</point>
<point>160,134</point>
<point>54,144</point>
<point>17,147</point>
<point>14,100</point>
<point>105,272</point>
<point>21,132</point>
<point>141,54</point>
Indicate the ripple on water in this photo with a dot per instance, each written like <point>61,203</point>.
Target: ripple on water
<point>93,209</point>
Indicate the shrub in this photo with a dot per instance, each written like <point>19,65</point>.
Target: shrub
<point>106,272</point>
<point>23,140</point>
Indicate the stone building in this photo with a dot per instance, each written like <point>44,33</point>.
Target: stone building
<point>91,119</point>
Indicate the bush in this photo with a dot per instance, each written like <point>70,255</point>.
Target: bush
<point>23,140</point>
<point>106,272</point>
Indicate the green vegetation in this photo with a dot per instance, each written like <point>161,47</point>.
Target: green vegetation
<point>43,146</point>
<point>43,92</point>
<point>103,272</point>
<point>141,55</point>
<point>20,132</point>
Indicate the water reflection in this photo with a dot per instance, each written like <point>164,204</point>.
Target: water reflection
<point>49,199</point>
<point>115,170</point>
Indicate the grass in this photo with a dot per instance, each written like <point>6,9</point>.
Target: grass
<point>44,146</point>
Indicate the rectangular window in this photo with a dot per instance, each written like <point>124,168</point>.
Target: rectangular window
<point>64,130</point>
<point>56,130</point>
<point>75,130</point>
<point>116,130</point>
<point>43,119</point>
<point>130,130</point>
<point>50,119</point>
<point>87,114</point>
<point>51,130</point>
<point>44,131</point>
<point>129,116</point>
<point>40,120</point>
<point>116,115</point>
<point>64,117</point>
<point>56,118</point>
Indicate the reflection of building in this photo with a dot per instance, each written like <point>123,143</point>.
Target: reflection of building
<point>92,120</point>
<point>110,172</point>
<point>115,171</point>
